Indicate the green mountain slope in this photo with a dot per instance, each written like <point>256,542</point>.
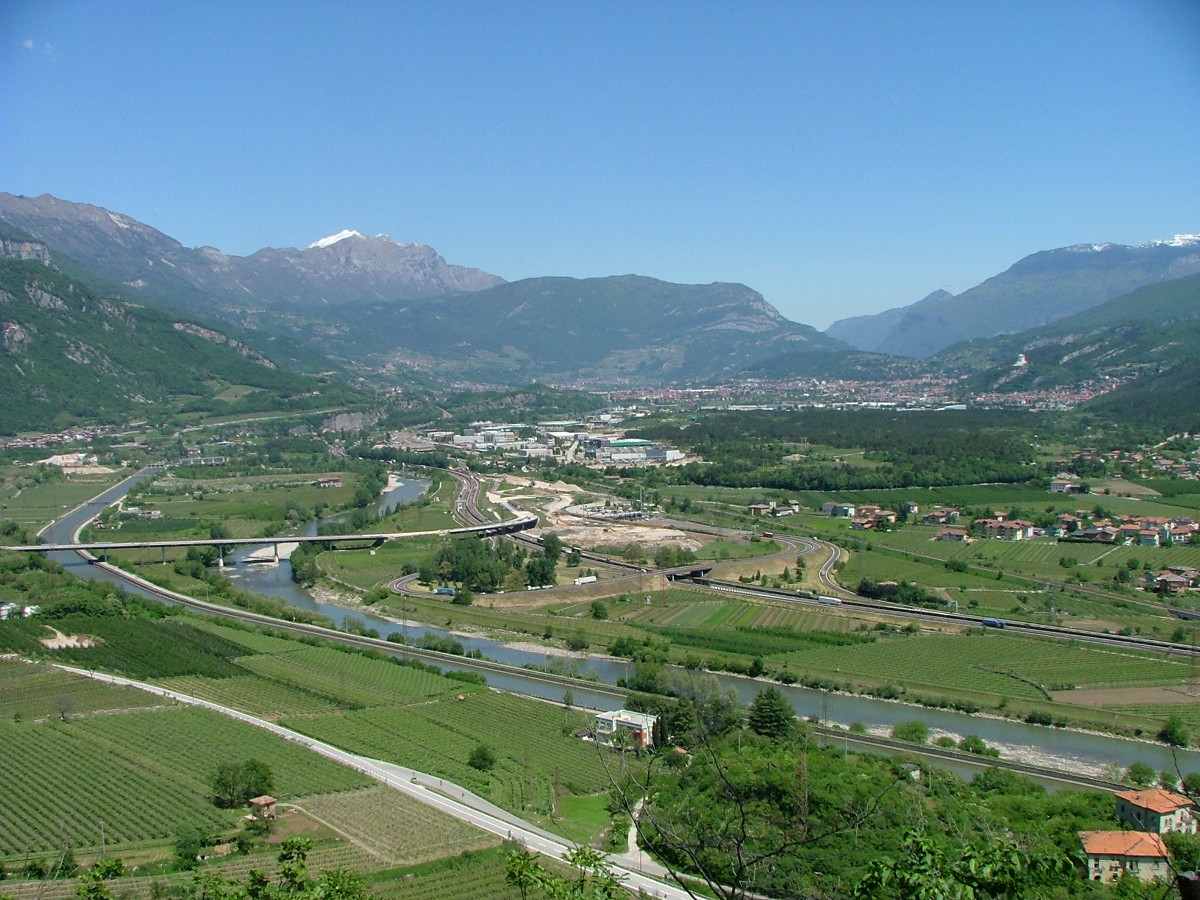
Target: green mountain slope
<point>621,328</point>
<point>1040,289</point>
<point>1143,332</point>
<point>69,356</point>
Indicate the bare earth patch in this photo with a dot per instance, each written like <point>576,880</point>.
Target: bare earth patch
<point>61,641</point>
<point>1102,697</point>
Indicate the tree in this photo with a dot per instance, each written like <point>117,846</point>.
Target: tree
<point>594,878</point>
<point>482,758</point>
<point>552,545</point>
<point>771,715</point>
<point>598,610</point>
<point>928,870</point>
<point>187,846</point>
<point>1175,732</point>
<point>1140,774</point>
<point>235,784</point>
<point>462,596</point>
<point>63,705</point>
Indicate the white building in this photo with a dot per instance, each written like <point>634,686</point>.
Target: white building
<point>639,727</point>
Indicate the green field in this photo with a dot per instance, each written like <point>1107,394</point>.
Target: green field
<point>126,779</point>
<point>996,664</point>
<point>401,830</point>
<point>532,761</point>
<point>35,691</point>
<point>35,505</point>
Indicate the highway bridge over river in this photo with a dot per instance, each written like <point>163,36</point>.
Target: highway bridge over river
<point>102,548</point>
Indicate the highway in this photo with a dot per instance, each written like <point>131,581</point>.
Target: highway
<point>485,529</point>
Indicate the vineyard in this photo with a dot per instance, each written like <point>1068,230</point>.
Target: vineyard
<point>60,783</point>
<point>31,691</point>
<point>534,762</point>
<point>468,878</point>
<point>1001,665</point>
<point>251,694</point>
<point>130,777</point>
<point>399,829</point>
<point>350,679</point>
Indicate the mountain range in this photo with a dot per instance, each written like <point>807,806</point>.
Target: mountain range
<point>390,312</point>
<point>1037,290</point>
<point>397,309</point>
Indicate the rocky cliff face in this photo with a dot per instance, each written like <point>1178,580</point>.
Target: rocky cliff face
<point>30,250</point>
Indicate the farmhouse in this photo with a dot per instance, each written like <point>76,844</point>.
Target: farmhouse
<point>1157,811</point>
<point>952,534</point>
<point>1111,854</point>
<point>263,807</point>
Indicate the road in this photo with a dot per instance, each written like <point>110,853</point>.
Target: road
<point>446,796</point>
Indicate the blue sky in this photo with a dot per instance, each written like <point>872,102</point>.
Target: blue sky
<point>841,158</point>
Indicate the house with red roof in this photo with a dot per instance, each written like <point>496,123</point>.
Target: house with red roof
<point>1111,854</point>
<point>1156,810</point>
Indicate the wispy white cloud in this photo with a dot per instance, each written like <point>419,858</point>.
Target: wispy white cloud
<point>32,46</point>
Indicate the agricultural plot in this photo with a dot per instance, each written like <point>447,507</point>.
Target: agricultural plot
<point>60,782</point>
<point>350,679</point>
<point>251,641</point>
<point>396,827</point>
<point>135,647</point>
<point>36,690</point>
<point>439,737</point>
<point>996,664</point>
<point>36,505</point>
<point>469,881</point>
<point>325,856</point>
<point>187,744</point>
<point>252,694</point>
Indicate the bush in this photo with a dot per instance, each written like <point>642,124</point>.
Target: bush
<point>916,732</point>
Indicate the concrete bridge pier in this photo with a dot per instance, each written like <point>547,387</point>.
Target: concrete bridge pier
<point>220,556</point>
<point>275,547</point>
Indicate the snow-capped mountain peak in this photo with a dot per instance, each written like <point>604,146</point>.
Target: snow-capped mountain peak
<point>334,238</point>
<point>1180,240</point>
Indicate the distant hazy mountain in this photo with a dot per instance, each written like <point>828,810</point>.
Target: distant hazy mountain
<point>1038,290</point>
<point>401,309</point>
<point>1148,331</point>
<point>69,355</point>
<point>625,328</point>
<point>869,332</point>
<point>345,269</point>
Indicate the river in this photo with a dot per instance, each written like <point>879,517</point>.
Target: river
<point>1072,751</point>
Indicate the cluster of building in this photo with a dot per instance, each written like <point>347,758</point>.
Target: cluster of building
<point>587,441</point>
<point>1139,852</point>
<point>1140,531</point>
<point>9,610</point>
<point>74,436</point>
<point>1146,460</point>
<point>1064,396</point>
<point>868,516</point>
